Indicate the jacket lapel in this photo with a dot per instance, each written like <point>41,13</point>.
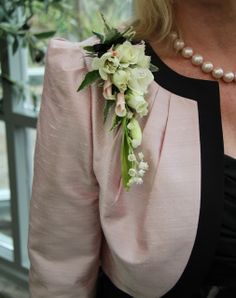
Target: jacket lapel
<point>211,161</point>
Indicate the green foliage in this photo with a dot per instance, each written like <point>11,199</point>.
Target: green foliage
<point>116,122</point>
<point>17,24</point>
<point>125,151</point>
<point>29,23</point>
<point>90,77</point>
<point>88,18</point>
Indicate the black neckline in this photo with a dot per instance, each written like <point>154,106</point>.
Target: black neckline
<point>206,93</point>
<point>175,82</point>
<point>230,157</point>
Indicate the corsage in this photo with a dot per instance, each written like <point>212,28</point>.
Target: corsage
<point>124,72</point>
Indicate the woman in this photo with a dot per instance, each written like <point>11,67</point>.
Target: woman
<point>174,235</point>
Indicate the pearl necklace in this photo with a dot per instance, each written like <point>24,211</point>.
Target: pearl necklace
<point>197,60</point>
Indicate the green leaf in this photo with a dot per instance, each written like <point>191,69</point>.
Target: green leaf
<point>107,27</point>
<point>43,35</point>
<point>89,48</point>
<point>116,121</point>
<point>107,107</point>
<point>112,35</point>
<point>125,163</point>
<point>100,36</point>
<point>153,68</point>
<point>90,77</point>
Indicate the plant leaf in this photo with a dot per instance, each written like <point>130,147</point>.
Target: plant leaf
<point>89,48</point>
<point>112,36</point>
<point>100,36</point>
<point>107,27</point>
<point>125,163</point>
<point>90,77</point>
<point>153,68</point>
<point>43,35</point>
<point>107,107</point>
<point>116,121</point>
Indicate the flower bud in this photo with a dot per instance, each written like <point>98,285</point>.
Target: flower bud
<point>132,172</point>
<point>136,133</point>
<point>131,157</point>
<point>143,165</point>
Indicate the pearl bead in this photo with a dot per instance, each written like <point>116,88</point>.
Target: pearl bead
<point>179,44</point>
<point>173,35</point>
<point>228,76</point>
<point>217,73</point>
<point>197,59</point>
<point>207,67</point>
<point>187,52</point>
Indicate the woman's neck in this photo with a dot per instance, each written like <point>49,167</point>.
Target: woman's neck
<point>208,25</point>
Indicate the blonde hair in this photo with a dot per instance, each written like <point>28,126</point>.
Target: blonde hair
<point>152,19</point>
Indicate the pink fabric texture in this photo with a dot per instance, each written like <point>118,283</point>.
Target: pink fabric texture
<point>80,214</point>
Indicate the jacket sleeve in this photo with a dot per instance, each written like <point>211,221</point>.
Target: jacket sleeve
<point>64,235</point>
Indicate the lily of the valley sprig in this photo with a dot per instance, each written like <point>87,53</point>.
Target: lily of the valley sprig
<point>124,72</point>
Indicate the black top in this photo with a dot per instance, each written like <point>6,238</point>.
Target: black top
<point>223,268</point>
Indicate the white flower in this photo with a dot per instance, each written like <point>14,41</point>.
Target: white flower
<point>140,155</point>
<point>143,165</point>
<point>136,101</point>
<point>128,54</point>
<point>141,172</point>
<point>143,60</point>
<point>140,79</point>
<point>135,133</point>
<point>120,79</point>
<point>131,181</point>
<point>138,180</point>
<point>135,143</point>
<point>132,172</point>
<point>131,157</point>
<point>120,109</point>
<point>107,64</point>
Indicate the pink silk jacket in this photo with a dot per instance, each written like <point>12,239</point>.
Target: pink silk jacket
<point>158,239</point>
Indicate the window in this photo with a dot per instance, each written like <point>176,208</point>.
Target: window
<point>18,119</point>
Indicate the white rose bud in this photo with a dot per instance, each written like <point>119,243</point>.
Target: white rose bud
<point>128,54</point>
<point>120,79</point>
<point>140,79</point>
<point>143,60</point>
<point>107,64</point>
<point>136,101</point>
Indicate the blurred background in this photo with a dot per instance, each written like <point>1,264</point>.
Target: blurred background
<point>25,28</point>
